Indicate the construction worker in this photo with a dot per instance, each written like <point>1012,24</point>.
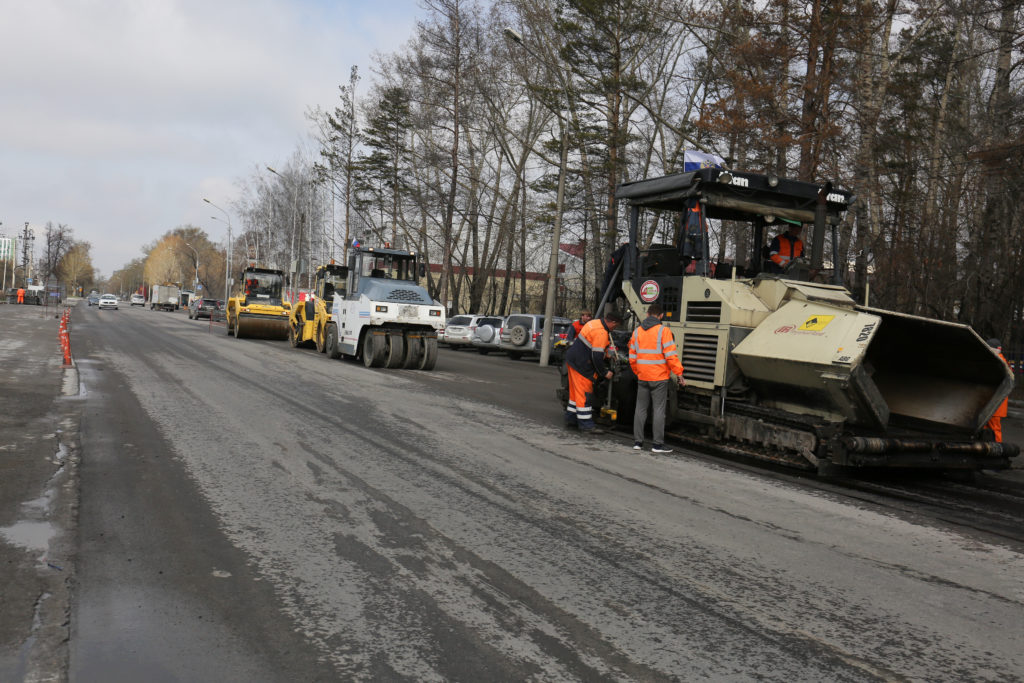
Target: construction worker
<point>585,362</point>
<point>21,295</point>
<point>577,325</point>
<point>996,421</point>
<point>785,247</point>
<point>653,357</point>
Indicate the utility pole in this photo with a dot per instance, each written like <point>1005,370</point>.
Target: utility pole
<point>27,237</point>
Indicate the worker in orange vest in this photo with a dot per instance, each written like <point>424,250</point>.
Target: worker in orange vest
<point>995,423</point>
<point>785,247</point>
<point>653,357</point>
<point>585,362</point>
<point>21,295</point>
<point>577,325</point>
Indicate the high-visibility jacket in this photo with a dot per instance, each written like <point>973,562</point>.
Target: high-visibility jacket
<point>995,423</point>
<point>652,353</point>
<point>586,355</point>
<point>785,248</point>
<point>1002,409</point>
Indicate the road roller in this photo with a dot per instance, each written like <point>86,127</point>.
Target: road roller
<point>257,310</point>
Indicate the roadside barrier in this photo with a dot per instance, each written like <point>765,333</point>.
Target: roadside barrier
<point>65,337</point>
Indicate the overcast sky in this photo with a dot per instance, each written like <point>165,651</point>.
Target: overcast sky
<point>118,116</point>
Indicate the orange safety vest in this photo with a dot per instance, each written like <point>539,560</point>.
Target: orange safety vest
<point>652,354</point>
<point>1002,409</point>
<point>995,423</point>
<point>789,249</point>
<point>586,355</point>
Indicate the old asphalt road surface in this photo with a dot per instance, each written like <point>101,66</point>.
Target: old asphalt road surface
<point>39,449</point>
<point>249,511</point>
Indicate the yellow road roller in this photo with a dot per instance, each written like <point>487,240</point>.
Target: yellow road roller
<point>257,309</point>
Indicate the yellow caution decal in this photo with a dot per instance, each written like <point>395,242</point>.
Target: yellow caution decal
<point>816,323</point>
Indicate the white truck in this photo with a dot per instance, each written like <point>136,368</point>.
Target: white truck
<point>383,315</point>
<point>164,297</point>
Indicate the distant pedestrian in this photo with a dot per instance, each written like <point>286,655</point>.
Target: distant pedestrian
<point>585,362</point>
<point>995,423</point>
<point>21,295</point>
<point>653,357</point>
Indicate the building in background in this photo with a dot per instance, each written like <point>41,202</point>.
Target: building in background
<point>8,252</point>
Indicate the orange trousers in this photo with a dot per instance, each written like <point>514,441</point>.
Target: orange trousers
<point>580,411</point>
<point>996,425</point>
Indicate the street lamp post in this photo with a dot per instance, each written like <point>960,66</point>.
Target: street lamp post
<point>291,248</point>
<point>556,234</point>
<point>227,252</point>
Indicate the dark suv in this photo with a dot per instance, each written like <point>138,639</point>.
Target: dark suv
<point>206,308</point>
<point>523,332</point>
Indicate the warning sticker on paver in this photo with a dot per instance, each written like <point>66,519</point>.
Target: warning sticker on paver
<point>816,323</point>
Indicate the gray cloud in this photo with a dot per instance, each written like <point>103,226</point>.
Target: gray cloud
<point>120,115</point>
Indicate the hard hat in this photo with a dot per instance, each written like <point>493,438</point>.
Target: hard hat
<point>995,343</point>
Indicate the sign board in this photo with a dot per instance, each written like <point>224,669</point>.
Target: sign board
<point>649,291</point>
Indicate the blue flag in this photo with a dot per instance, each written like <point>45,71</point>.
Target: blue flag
<point>694,161</point>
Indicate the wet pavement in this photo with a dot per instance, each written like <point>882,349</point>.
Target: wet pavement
<point>41,409</point>
<point>38,494</point>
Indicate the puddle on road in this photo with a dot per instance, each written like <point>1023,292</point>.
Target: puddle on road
<point>70,383</point>
<point>29,535</point>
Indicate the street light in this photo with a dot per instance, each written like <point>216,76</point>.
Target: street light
<point>291,248</point>
<point>556,233</point>
<point>227,253</point>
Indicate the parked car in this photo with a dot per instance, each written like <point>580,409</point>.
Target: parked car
<point>94,299</point>
<point>107,301</point>
<point>206,308</point>
<point>521,334</point>
<point>458,333</point>
<point>457,322</point>
<point>138,300</point>
<point>487,335</point>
